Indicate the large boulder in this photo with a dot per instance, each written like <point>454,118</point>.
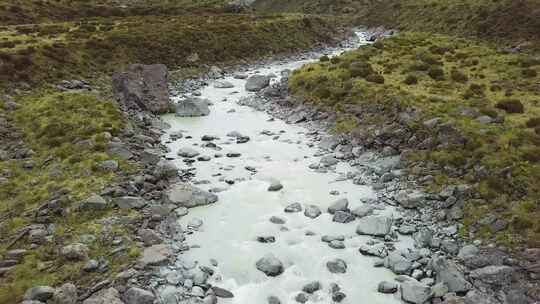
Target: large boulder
<point>143,88</point>
<point>449,274</point>
<point>65,294</point>
<point>39,293</point>
<point>184,195</point>
<point>496,275</point>
<point>270,265</point>
<point>256,83</point>
<point>136,295</point>
<point>105,296</point>
<point>192,107</point>
<point>415,292</point>
<point>155,255</point>
<point>374,225</point>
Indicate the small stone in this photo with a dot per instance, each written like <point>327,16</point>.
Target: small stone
<point>339,205</point>
<point>337,266</point>
<point>222,293</point>
<point>343,217</point>
<point>312,211</point>
<point>312,287</point>
<point>301,298</point>
<point>273,300</point>
<point>338,296</point>
<point>275,186</point>
<point>335,244</point>
<point>270,265</point>
<point>277,220</point>
<point>294,207</point>
<point>387,287</point>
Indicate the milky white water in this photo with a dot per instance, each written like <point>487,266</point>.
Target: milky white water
<point>242,213</point>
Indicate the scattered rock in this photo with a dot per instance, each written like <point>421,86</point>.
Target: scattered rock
<point>187,152</point>
<point>339,205</point>
<point>130,202</point>
<point>222,293</point>
<point>223,85</point>
<point>136,295</point>
<point>270,265</point>
<point>312,287</point>
<point>374,225</point>
<point>39,293</point>
<point>105,296</point>
<point>277,220</point>
<point>275,186</point>
<point>337,266</point>
<point>496,275</point>
<point>65,294</point>
<point>415,292</point>
<point>387,287</point>
<point>294,207</point>
<point>192,107</point>
<point>94,202</point>
<point>156,255</point>
<point>256,83</point>
<point>312,211</point>
<point>75,252</point>
<point>185,195</point>
<point>343,217</point>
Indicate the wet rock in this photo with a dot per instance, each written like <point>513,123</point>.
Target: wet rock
<point>293,208</point>
<point>449,274</point>
<point>301,298</point>
<point>410,200</point>
<point>187,152</point>
<point>104,296</point>
<point>155,255</point>
<point>277,220</point>
<point>149,237</point>
<point>192,107</point>
<point>339,205</point>
<point>223,85</point>
<point>130,202</point>
<point>185,195</point>
<point>75,252</point>
<point>423,238</point>
<point>387,287</point>
<point>343,217</point>
<point>222,293</point>
<point>65,294</point>
<point>143,88</point>
<point>270,265</point>
<point>415,292</point>
<point>94,202</point>
<point>136,295</point>
<point>165,169</point>
<point>39,293</point>
<point>266,239</point>
<point>363,210</point>
<point>312,287</point>
<point>275,186</point>
<point>338,296</point>
<point>374,225</point>
<point>336,266</point>
<point>273,300</point>
<point>335,244</point>
<point>496,275</point>
<point>256,83</point>
<point>378,250</point>
<point>233,154</point>
<point>398,263</point>
<point>312,211</point>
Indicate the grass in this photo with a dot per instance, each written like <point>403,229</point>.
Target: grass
<point>53,124</point>
<point>50,52</point>
<point>445,77</point>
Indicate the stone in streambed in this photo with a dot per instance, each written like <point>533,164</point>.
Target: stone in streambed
<point>387,287</point>
<point>192,107</point>
<point>222,293</point>
<point>336,266</point>
<point>270,265</point>
<point>185,195</point>
<point>312,287</point>
<point>256,83</point>
<point>339,205</point>
<point>223,85</point>
<point>293,208</point>
<point>187,152</point>
<point>415,292</point>
<point>374,225</point>
<point>343,217</point>
<point>312,211</point>
<point>136,295</point>
<point>275,186</point>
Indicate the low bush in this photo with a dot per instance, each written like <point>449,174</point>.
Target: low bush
<point>533,122</point>
<point>436,73</point>
<point>410,80</point>
<point>324,58</point>
<point>458,76</point>
<point>360,69</point>
<point>529,73</point>
<point>511,106</point>
<point>375,78</point>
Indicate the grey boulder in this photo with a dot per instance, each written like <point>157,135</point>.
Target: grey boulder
<point>415,292</point>
<point>312,211</point>
<point>374,225</point>
<point>339,205</point>
<point>39,293</point>
<point>136,295</point>
<point>185,195</point>
<point>270,265</point>
<point>449,274</point>
<point>192,107</point>
<point>256,83</point>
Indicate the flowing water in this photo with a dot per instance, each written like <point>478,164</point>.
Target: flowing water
<point>231,226</point>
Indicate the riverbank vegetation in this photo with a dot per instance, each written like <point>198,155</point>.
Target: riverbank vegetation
<point>490,96</point>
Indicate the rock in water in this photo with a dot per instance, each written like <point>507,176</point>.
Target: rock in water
<point>449,274</point>
<point>143,88</point>
<point>192,107</point>
<point>136,295</point>
<point>223,85</point>
<point>415,292</point>
<point>387,287</point>
<point>270,265</point>
<point>312,211</point>
<point>337,266</point>
<point>185,195</point>
<point>374,225</point>
<point>275,186</point>
<point>256,83</point>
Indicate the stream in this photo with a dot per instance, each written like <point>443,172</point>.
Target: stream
<point>230,227</point>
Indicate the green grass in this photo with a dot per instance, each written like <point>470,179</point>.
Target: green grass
<point>52,124</point>
<point>441,76</point>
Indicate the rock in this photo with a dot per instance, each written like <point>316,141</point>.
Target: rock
<point>329,160</point>
<point>187,152</point>
<point>65,294</point>
<point>397,263</point>
<point>339,205</point>
<point>240,76</point>
<point>270,265</point>
<point>338,296</point>
<point>410,200</point>
<point>363,210</point>
<point>387,287</point>
<point>130,202</point>
<point>104,296</point>
<point>301,298</point>
<point>293,208</point>
<point>39,293</point>
<point>185,195</point>
<point>192,107</point>
<point>343,217</point>
<point>256,83</point>
<point>75,252</point>
<point>136,295</point>
<point>467,251</point>
<point>277,220</point>
<point>335,244</point>
<point>165,169</point>
<point>329,143</point>
<point>156,255</point>
<point>336,266</point>
<point>312,287</point>
<point>423,238</point>
<point>407,229</point>
<point>149,237</point>
<point>108,165</point>
<point>91,266</point>
<point>223,85</point>
<point>312,211</point>
<point>266,239</point>
<point>378,250</point>
<point>273,300</point>
<point>275,186</point>
<point>496,275</point>
<point>374,225</point>
<point>449,274</point>
<point>233,154</point>
<point>222,293</point>
<point>143,88</point>
<point>415,292</point>
<point>94,202</point>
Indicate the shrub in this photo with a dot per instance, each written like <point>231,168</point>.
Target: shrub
<point>475,90</point>
<point>419,66</point>
<point>335,60</point>
<point>360,69</point>
<point>510,106</point>
<point>410,80</point>
<point>531,154</point>
<point>458,76</point>
<point>529,73</point>
<point>533,122</point>
<point>324,58</point>
<point>436,73</point>
<point>439,50</point>
<point>375,78</point>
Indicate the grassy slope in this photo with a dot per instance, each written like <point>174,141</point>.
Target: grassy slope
<point>441,76</point>
<point>509,20</point>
